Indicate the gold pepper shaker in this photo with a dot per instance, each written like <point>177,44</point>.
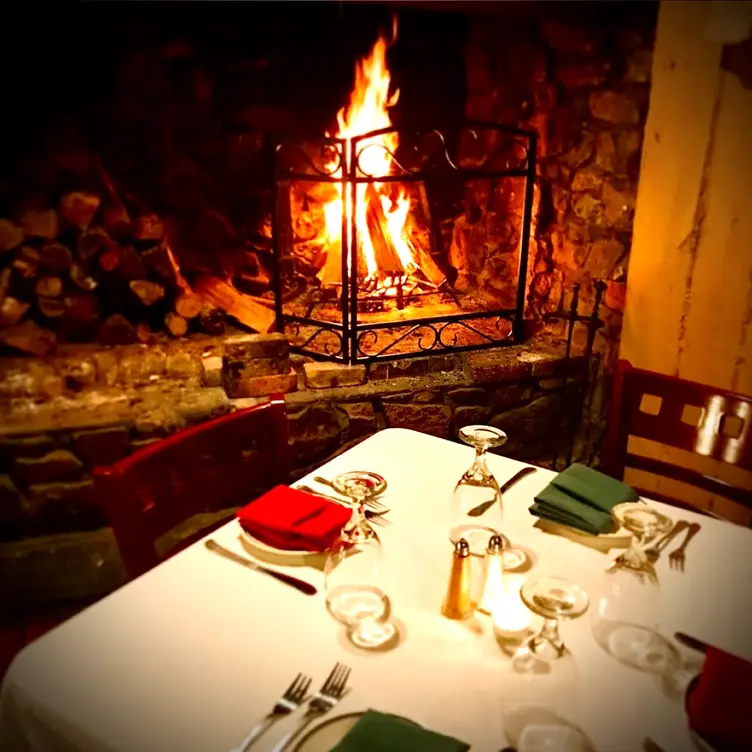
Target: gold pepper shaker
<point>458,603</point>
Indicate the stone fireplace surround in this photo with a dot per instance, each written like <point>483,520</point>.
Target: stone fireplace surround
<point>583,85</point>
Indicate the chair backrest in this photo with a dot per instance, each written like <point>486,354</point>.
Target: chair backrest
<point>721,430</point>
<point>211,466</point>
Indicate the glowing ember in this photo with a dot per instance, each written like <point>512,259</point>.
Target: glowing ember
<point>367,111</point>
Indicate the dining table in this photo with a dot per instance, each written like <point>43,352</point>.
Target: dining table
<point>192,654</point>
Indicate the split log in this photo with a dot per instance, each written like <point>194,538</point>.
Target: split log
<point>176,325</point>
<point>148,292</point>
<point>387,258</point>
<point>26,262</point>
<point>40,223</point>
<point>55,257</point>
<point>79,208</point>
<point>428,266</point>
<point>148,227</point>
<point>29,338</point>
<point>52,308</point>
<point>331,272</point>
<point>82,308</point>
<point>144,334</point>
<point>116,330</point>
<point>10,235</point>
<point>159,260</point>
<point>188,304</point>
<point>81,279</point>
<point>49,287</point>
<point>212,321</point>
<point>93,242</point>
<point>12,311</point>
<point>115,217</point>
<point>224,296</point>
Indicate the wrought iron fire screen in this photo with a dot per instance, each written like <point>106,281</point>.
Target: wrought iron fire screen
<point>365,289</point>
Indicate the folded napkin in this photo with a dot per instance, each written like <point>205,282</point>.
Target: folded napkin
<point>293,520</point>
<point>719,705</point>
<point>378,732</point>
<point>582,498</point>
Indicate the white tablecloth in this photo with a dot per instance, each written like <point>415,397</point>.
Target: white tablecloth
<point>190,655</point>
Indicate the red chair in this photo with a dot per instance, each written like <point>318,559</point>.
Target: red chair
<point>219,464</point>
<point>722,431</point>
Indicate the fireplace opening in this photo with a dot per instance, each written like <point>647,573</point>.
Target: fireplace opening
<point>392,240</point>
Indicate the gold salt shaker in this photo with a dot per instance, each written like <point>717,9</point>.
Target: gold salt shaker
<point>458,603</point>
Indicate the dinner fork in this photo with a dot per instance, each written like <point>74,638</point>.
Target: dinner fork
<point>331,692</point>
<point>677,558</point>
<point>291,700</point>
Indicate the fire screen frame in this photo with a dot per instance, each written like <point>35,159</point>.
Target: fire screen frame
<point>349,330</point>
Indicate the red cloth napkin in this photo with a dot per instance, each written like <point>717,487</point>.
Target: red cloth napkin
<point>293,520</point>
<point>719,707</point>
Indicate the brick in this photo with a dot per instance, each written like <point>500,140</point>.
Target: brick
<point>330,375</point>
<point>26,446</point>
<point>467,395</point>
<point>183,367</point>
<point>59,464</point>
<point>257,346</point>
<point>238,369</point>
<point>260,386</point>
<point>102,446</point>
<point>497,366</point>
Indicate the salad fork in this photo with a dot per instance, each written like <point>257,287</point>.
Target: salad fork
<point>677,558</point>
<point>291,700</point>
<point>331,692</point>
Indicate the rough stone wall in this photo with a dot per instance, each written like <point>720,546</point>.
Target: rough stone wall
<point>585,91</point>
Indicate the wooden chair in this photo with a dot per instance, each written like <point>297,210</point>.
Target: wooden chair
<point>723,431</point>
<point>219,464</point>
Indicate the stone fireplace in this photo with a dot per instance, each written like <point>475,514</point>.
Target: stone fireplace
<point>156,260</point>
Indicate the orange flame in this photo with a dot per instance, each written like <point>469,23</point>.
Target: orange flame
<point>368,110</point>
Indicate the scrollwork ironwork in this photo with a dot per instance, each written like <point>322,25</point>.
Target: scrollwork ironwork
<point>331,154</point>
<point>328,347</point>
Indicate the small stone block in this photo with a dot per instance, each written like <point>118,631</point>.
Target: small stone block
<point>212,370</point>
<point>497,366</point>
<point>330,375</point>
<point>257,346</point>
<point>70,495</point>
<point>248,368</point>
<point>260,386</point>
<point>11,501</point>
<point>57,465</point>
<point>102,446</point>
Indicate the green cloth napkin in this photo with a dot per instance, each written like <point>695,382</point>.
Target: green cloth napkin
<point>379,732</point>
<point>582,498</point>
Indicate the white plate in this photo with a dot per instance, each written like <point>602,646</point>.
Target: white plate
<point>281,556</point>
<point>328,734</point>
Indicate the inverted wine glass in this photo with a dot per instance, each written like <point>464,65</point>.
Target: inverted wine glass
<point>353,581</point>
<point>627,605</point>
<point>477,512</point>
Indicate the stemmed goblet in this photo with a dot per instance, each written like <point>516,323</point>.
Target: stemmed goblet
<point>476,510</point>
<point>353,572</point>
<point>627,605</point>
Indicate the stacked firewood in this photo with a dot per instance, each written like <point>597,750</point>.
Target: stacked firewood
<point>87,271</point>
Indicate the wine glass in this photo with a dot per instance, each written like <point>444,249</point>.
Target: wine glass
<point>476,510</point>
<point>544,677</point>
<point>353,580</point>
<point>627,604</point>
<point>552,598</point>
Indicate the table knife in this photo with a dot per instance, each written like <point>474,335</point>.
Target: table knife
<point>304,587</point>
<point>486,505</point>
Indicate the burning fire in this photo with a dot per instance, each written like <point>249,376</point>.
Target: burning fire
<point>388,258</point>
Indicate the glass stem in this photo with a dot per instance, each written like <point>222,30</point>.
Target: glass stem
<point>550,633</point>
<point>479,467</point>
